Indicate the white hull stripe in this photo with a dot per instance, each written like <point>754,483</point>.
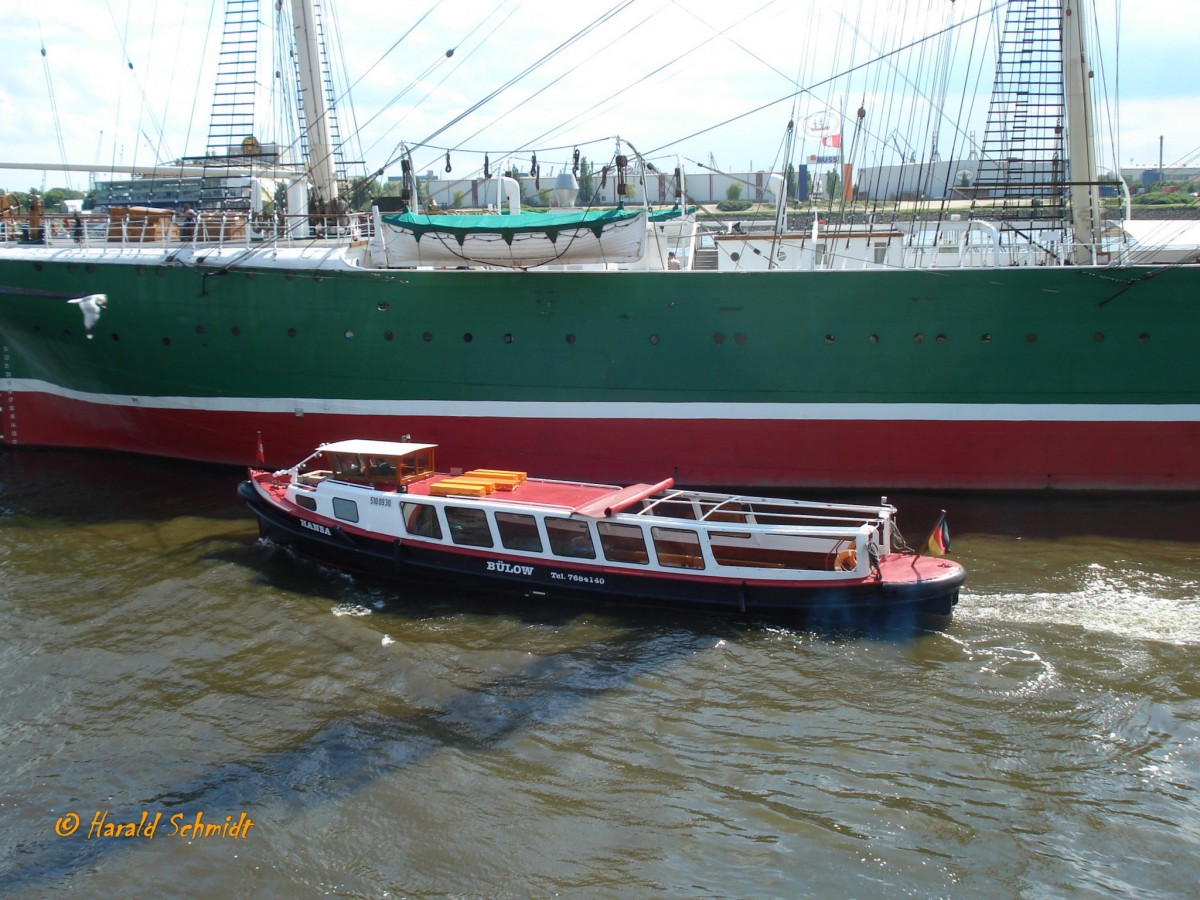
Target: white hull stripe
<point>907,412</point>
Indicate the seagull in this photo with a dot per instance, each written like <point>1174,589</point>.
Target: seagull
<point>90,306</point>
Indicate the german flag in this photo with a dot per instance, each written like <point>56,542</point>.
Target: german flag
<point>938,542</point>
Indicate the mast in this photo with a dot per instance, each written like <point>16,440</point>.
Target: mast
<point>316,112</point>
<point>1084,192</point>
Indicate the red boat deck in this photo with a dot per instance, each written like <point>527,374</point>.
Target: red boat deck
<point>534,492</point>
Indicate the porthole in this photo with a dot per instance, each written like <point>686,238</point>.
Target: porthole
<point>941,339</point>
<point>383,306</point>
<point>37,267</point>
<point>874,339</point>
<point>427,336</point>
<point>387,335</point>
<point>654,339</point>
<point>985,338</point>
<point>1031,338</point>
<point>918,338</point>
<point>508,338</point>
<point>468,337</point>
<point>349,335</point>
<point>166,342</point>
<point>739,338</point>
<point>235,331</point>
<point>735,256</point>
<point>89,268</point>
<point>718,338</point>
<point>829,338</point>
<point>199,329</point>
<point>1098,337</point>
<point>140,270</point>
<point>115,336</point>
<point>289,276</point>
<point>570,338</point>
<point>1143,337</point>
<point>291,332</point>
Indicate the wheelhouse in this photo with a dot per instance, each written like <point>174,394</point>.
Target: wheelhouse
<point>380,464</point>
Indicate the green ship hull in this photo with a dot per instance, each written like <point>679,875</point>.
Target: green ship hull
<point>996,378</point>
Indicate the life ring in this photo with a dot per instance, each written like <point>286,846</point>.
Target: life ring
<point>847,560</point>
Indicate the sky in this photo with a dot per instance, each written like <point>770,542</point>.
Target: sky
<point>129,82</point>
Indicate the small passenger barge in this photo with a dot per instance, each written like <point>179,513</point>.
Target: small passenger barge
<point>382,508</point>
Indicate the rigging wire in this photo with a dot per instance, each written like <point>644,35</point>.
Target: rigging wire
<point>133,73</point>
<point>341,57</point>
<point>212,11</point>
<point>428,70</point>
<point>58,133</point>
<point>463,58</point>
<point>564,45</point>
<point>562,125</point>
<point>582,115</point>
<point>828,80</point>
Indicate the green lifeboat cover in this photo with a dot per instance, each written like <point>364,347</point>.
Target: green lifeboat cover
<point>550,224</point>
<point>662,215</point>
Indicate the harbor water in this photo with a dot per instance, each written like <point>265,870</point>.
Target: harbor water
<point>189,710</point>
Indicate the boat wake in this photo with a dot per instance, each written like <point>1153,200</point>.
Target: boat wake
<point>1125,600</point>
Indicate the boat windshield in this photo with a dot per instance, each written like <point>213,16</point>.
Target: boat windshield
<point>381,468</point>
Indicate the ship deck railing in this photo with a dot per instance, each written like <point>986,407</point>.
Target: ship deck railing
<point>966,244</point>
<point>211,229</point>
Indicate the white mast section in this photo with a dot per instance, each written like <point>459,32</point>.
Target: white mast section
<point>1081,148</point>
<point>316,115</point>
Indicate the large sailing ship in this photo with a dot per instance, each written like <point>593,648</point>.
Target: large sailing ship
<point>1015,353</point>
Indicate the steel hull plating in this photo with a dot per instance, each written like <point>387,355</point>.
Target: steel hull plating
<point>1006,378</point>
<point>864,453</point>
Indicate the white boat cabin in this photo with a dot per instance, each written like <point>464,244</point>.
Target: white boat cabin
<point>392,491</point>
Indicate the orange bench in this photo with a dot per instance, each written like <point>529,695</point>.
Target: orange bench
<point>469,487</point>
<point>519,476</point>
<point>504,481</point>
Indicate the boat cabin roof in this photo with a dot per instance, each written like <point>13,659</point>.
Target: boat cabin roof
<point>375,448</point>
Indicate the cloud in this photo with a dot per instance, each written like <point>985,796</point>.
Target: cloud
<point>655,73</point>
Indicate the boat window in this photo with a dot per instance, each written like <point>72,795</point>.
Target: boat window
<point>678,548</point>
<point>382,467</point>
<point>747,550</point>
<point>416,465</point>
<point>346,510</point>
<point>570,537</point>
<point>309,503</point>
<point>421,520</point>
<point>518,532</point>
<point>468,526</point>
<point>623,543</point>
<point>347,464</point>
